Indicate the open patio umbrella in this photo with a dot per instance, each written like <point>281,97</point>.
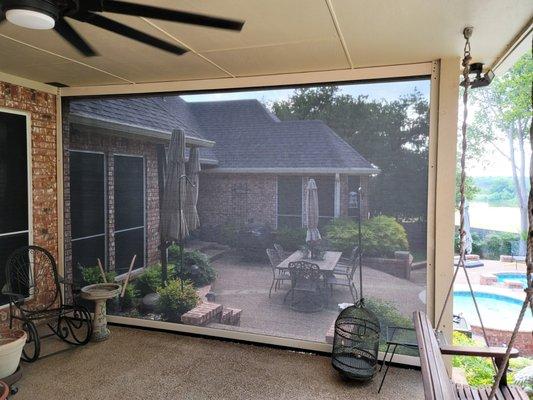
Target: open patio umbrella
<point>173,223</point>
<point>191,200</point>
<point>313,234</point>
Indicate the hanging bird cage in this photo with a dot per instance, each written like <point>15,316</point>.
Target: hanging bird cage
<point>356,343</point>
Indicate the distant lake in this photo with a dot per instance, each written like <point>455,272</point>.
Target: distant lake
<point>506,219</point>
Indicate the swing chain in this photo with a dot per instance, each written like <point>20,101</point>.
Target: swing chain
<point>467,58</point>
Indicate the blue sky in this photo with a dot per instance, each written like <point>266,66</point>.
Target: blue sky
<point>376,91</point>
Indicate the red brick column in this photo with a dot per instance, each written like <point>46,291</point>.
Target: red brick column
<point>42,110</point>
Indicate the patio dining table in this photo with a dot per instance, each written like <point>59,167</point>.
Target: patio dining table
<point>331,258</point>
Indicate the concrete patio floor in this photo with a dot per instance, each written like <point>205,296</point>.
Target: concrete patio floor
<point>245,285</point>
<point>135,364</point>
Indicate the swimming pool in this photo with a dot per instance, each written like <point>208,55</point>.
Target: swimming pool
<point>497,311</point>
<point>512,276</point>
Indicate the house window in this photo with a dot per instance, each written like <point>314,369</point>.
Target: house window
<point>129,212</point>
<point>87,208</point>
<point>289,201</point>
<point>14,215</point>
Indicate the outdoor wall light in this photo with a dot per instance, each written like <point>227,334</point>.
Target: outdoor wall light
<point>32,14</point>
<point>480,79</point>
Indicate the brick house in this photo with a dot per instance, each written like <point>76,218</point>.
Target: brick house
<point>254,169</point>
<point>28,189</point>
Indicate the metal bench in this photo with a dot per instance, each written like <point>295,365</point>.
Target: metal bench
<point>437,384</point>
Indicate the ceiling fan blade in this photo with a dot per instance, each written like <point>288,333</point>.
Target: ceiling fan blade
<point>68,33</point>
<point>140,10</point>
<point>131,33</point>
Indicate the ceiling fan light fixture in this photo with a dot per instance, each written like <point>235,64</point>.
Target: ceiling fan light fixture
<point>30,18</point>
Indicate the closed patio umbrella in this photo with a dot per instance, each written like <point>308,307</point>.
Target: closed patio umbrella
<point>192,170</point>
<point>173,224</point>
<point>468,233</point>
<point>313,234</point>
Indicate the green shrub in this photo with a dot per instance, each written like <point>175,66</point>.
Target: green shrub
<point>130,297</point>
<point>496,244</point>
<point>290,239</point>
<point>150,280</point>
<point>477,243</point>
<point>228,234</point>
<point>204,275</point>
<point>176,299</point>
<point>92,275</point>
<point>342,234</point>
<point>225,233</point>
<point>389,315</point>
<point>382,236</point>
<point>479,371</point>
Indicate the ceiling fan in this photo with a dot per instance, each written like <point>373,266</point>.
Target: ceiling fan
<point>50,14</point>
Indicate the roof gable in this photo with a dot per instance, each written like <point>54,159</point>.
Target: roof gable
<point>247,135</point>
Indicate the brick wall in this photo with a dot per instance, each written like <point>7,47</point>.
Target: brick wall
<point>73,139</point>
<point>523,341</point>
<point>42,109</point>
<point>237,199</point>
<point>240,198</point>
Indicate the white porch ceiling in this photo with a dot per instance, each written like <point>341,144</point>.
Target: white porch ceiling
<point>280,36</point>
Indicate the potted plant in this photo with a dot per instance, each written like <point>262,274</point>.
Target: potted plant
<point>312,250</point>
<point>11,343</point>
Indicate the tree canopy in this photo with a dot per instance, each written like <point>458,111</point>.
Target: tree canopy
<point>393,135</point>
<point>502,124</point>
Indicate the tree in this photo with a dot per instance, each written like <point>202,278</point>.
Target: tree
<point>471,189</point>
<point>392,135</point>
<point>502,119</point>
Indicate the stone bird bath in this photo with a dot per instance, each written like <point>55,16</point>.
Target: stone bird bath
<point>100,293</point>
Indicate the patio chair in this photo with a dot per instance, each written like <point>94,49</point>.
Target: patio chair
<point>306,287</point>
<point>282,254</point>
<point>31,274</point>
<point>345,279</point>
<point>278,275</point>
<point>345,265</point>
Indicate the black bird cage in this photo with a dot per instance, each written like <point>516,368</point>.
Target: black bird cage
<point>356,343</point>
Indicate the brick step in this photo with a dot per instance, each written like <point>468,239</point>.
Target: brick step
<point>207,312</point>
<point>202,314</point>
<point>230,316</point>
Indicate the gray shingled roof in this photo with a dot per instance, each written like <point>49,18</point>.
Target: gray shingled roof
<point>158,113</point>
<point>247,135</point>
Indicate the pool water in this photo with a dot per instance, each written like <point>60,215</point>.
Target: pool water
<point>512,276</point>
<point>497,311</point>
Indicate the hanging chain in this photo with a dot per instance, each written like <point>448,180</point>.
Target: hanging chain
<point>467,58</point>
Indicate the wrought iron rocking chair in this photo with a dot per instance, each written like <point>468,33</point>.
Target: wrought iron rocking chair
<point>33,288</point>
